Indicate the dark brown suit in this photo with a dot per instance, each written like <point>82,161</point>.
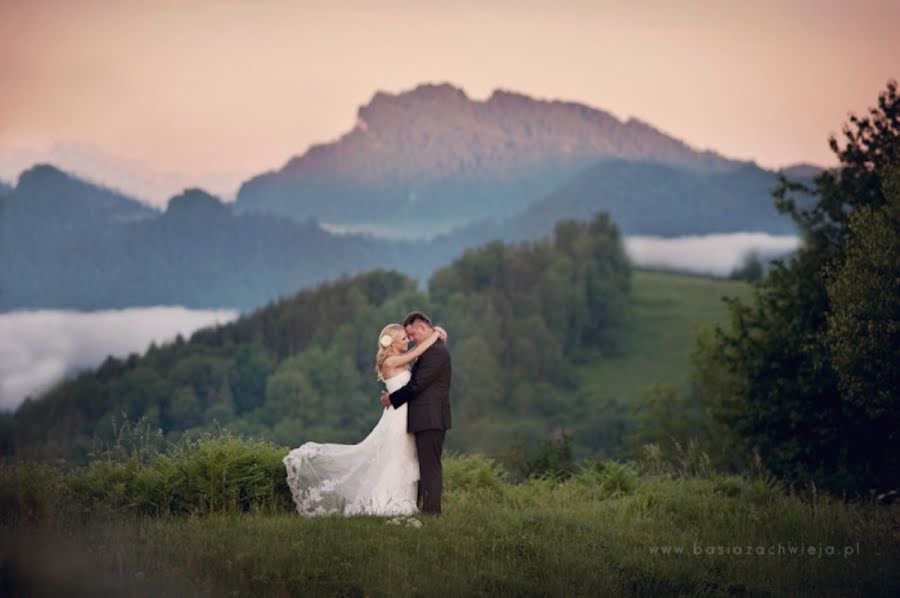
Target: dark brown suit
<point>428,417</point>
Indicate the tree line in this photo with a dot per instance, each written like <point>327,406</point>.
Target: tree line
<point>301,367</point>
<point>803,381</point>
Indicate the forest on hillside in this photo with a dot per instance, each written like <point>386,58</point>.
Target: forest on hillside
<point>301,368</point>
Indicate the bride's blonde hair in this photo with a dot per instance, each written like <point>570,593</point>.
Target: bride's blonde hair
<point>394,331</point>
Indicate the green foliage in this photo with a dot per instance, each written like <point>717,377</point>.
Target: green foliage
<point>751,268</point>
<point>475,473</point>
<point>654,346</point>
<point>662,416</point>
<point>524,313</point>
<point>864,323</point>
<point>607,478</point>
<point>29,492</point>
<point>221,473</point>
<point>785,370</point>
<point>683,461</point>
<point>208,517</point>
<point>248,377</point>
<point>301,368</point>
<point>551,458</point>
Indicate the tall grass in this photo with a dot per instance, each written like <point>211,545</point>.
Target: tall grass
<point>212,516</point>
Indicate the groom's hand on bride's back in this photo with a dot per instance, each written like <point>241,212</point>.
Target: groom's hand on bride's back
<point>385,398</point>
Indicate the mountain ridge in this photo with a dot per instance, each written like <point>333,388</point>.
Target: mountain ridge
<point>432,159</point>
<point>68,243</point>
<point>389,121</point>
<point>45,190</point>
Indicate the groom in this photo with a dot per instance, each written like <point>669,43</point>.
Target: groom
<point>428,414</point>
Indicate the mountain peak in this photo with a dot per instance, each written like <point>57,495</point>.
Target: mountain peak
<point>43,174</point>
<point>438,91</point>
<point>435,131</point>
<point>44,188</point>
<point>384,108</point>
<point>195,201</point>
<point>505,96</point>
<point>432,144</point>
<point>422,94</point>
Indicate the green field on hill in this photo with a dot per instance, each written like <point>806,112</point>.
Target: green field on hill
<point>652,347</point>
<point>655,344</point>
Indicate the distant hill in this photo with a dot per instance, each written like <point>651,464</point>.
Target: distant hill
<point>144,182</point>
<point>434,158</point>
<point>4,187</point>
<point>643,198</point>
<point>802,171</point>
<point>656,199</point>
<point>69,244</point>
<point>47,196</point>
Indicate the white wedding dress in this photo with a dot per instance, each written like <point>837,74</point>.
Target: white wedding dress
<point>374,477</point>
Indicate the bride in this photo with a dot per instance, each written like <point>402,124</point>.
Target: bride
<point>377,476</point>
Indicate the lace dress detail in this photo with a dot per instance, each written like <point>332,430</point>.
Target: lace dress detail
<point>374,477</point>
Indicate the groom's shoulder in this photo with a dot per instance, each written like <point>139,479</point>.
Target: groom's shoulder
<point>440,349</point>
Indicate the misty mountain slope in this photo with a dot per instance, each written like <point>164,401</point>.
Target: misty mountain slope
<point>434,157</point>
<point>68,244</point>
<point>49,197</point>
<point>42,222</point>
<point>643,198</point>
<point>648,198</point>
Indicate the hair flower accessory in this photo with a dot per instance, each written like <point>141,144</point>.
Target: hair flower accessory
<point>385,340</point>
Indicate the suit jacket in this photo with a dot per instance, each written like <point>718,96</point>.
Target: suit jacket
<point>428,391</point>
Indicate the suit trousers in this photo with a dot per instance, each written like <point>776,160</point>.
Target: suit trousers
<point>430,445</point>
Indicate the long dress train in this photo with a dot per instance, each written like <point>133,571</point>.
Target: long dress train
<point>376,476</point>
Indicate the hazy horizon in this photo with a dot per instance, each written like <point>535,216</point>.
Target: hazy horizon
<point>210,93</point>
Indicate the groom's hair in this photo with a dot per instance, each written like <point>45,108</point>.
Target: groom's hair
<point>415,316</point>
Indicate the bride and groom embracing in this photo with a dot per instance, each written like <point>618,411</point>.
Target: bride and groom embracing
<point>399,463</point>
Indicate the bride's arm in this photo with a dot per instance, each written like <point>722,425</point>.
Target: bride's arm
<point>397,360</point>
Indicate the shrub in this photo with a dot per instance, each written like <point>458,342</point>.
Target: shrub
<point>473,473</point>
<point>28,491</point>
<point>551,459</point>
<point>609,477</point>
<point>220,473</point>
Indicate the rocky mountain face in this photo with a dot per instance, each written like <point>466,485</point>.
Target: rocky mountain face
<point>435,151</point>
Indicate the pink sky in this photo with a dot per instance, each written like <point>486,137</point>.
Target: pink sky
<point>240,86</point>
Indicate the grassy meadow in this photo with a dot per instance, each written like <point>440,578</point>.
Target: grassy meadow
<point>213,517</point>
<point>655,343</point>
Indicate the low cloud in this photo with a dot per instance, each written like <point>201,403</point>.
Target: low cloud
<point>40,348</point>
<point>707,254</point>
